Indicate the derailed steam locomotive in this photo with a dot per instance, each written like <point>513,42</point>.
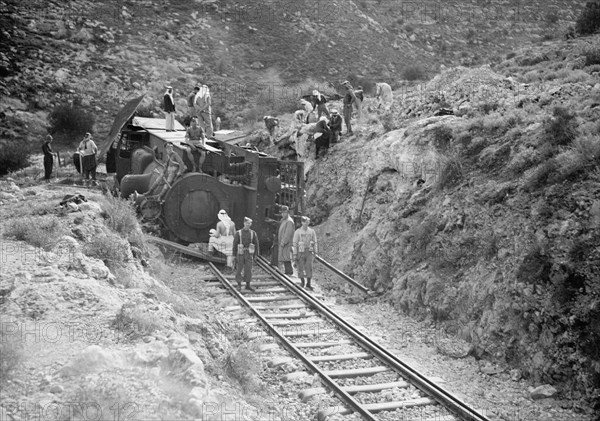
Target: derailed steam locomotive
<point>241,180</point>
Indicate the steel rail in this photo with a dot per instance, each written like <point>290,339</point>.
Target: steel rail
<point>346,398</point>
<point>340,273</point>
<point>449,401</point>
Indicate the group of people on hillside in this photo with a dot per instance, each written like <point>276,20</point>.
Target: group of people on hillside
<point>328,128</point>
<point>293,245</point>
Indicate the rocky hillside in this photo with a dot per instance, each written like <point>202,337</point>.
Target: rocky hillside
<point>475,204</point>
<point>257,59</point>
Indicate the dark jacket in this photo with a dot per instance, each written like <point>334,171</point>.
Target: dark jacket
<point>322,127</point>
<point>335,124</point>
<point>271,122</point>
<point>169,106</point>
<point>348,99</point>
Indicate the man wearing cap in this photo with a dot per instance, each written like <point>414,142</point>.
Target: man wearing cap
<point>304,248</point>
<point>285,237</point>
<point>335,124</point>
<point>169,108</point>
<point>349,100</point>
<point>223,237</point>
<point>245,245</point>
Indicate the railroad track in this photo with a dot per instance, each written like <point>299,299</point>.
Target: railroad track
<point>367,378</point>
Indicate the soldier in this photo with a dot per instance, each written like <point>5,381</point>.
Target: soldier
<point>245,245</point>
<point>284,239</point>
<point>304,248</point>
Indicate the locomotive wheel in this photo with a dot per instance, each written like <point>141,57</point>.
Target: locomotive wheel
<point>191,205</point>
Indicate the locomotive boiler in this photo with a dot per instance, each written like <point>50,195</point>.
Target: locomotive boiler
<point>241,180</point>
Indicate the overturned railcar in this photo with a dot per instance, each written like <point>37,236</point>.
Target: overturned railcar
<point>241,180</point>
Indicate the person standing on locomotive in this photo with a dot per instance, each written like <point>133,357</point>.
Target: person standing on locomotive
<point>245,245</point>
<point>195,139</point>
<point>169,108</point>
<point>304,248</point>
<point>285,237</point>
<point>202,104</point>
<point>173,169</point>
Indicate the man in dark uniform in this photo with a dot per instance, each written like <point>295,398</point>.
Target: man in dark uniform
<point>349,99</point>
<point>245,245</point>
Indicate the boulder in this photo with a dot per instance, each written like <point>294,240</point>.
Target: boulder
<point>543,392</point>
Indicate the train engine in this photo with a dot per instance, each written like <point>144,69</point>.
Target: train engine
<point>240,180</point>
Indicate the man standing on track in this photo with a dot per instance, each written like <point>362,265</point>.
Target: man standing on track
<point>304,249</point>
<point>245,245</point>
<point>285,238</point>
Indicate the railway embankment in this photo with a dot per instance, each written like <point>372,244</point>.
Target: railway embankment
<point>90,324</point>
<point>475,204</point>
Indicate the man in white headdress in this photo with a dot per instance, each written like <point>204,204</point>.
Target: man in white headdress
<point>169,108</point>
<point>222,239</point>
<point>384,95</point>
<point>320,101</point>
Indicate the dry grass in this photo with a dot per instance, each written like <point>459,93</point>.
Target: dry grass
<point>39,231</point>
<point>243,364</point>
<point>11,354</point>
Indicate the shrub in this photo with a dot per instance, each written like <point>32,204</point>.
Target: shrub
<point>584,155</point>
<point>119,214</point>
<point>451,172</point>
<point>592,56</point>
<point>13,156</point>
<point>39,231</point>
<point>111,249</point>
<point>523,160</point>
<point>135,321</point>
<point>69,122</point>
<point>588,21</point>
<point>552,17</point>
<point>561,129</point>
<point>442,136</point>
<point>413,73</point>
<point>389,121</point>
<point>243,364</point>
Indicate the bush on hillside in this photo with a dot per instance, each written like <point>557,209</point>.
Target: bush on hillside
<point>413,73</point>
<point>561,129</point>
<point>39,231</point>
<point>70,122</point>
<point>13,156</point>
<point>592,56</point>
<point>588,21</point>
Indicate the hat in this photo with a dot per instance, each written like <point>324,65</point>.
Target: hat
<point>212,232</point>
<point>305,219</point>
<point>334,111</point>
<point>345,82</point>
<point>265,117</point>
<point>315,92</point>
<point>322,118</point>
<point>169,87</point>
<point>246,219</point>
<point>197,87</point>
<point>285,209</point>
